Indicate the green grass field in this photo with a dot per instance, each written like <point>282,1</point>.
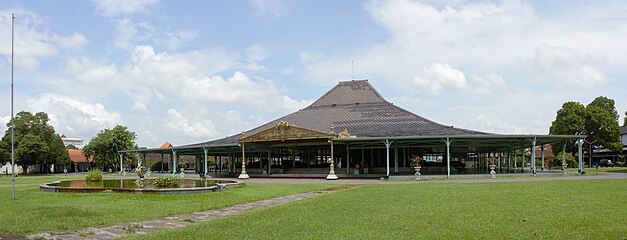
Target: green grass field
<point>36,211</point>
<point>584,209</point>
<point>607,169</point>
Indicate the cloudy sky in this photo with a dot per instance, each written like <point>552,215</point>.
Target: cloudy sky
<point>190,71</point>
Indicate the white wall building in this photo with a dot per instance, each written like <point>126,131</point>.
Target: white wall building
<point>6,169</point>
<point>77,142</point>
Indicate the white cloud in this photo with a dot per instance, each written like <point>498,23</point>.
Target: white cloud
<point>270,8</point>
<point>484,84</point>
<point>439,76</point>
<point>257,52</point>
<point>569,66</point>
<point>3,123</point>
<point>175,39</point>
<point>77,40</point>
<point>32,40</point>
<point>176,122</point>
<point>194,76</point>
<point>74,117</point>
<point>588,76</point>
<point>89,72</point>
<point>476,38</point>
<point>117,7</point>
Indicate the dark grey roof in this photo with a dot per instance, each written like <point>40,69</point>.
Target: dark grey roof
<point>623,130</point>
<point>359,108</point>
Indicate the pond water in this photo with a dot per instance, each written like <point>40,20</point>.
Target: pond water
<point>133,183</point>
<point>134,186</point>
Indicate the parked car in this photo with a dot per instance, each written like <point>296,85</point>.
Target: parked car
<point>606,163</point>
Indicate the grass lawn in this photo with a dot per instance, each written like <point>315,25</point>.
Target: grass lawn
<point>607,169</point>
<point>584,209</point>
<point>36,211</point>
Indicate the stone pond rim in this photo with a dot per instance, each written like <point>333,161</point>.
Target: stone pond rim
<point>220,185</point>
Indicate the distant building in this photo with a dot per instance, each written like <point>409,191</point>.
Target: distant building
<point>77,142</point>
<point>79,162</point>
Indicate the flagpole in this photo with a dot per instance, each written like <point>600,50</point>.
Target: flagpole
<point>12,120</point>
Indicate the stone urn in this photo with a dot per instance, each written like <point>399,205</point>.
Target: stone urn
<point>417,174</point>
<point>564,167</point>
<point>182,172</point>
<point>492,172</point>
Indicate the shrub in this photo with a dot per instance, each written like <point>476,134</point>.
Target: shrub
<point>156,166</point>
<point>556,161</point>
<point>166,182</point>
<point>94,176</point>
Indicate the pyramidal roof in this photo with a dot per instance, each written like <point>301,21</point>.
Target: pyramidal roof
<point>357,107</point>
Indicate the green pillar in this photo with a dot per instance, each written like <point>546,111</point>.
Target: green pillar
<point>523,160</point>
<point>542,154</point>
<point>396,160</point>
<point>387,157</point>
<point>205,169</point>
<point>121,162</point>
<point>174,167</point>
<point>448,157</point>
<point>270,161</point>
<point>348,158</point>
<point>580,157</point>
<point>533,156</point>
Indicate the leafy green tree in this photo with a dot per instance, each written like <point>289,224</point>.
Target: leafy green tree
<point>601,127</point>
<point>625,119</point>
<point>35,141</point>
<point>570,120</point>
<point>32,149</point>
<point>598,120</point>
<point>71,146</point>
<point>606,104</point>
<point>104,147</point>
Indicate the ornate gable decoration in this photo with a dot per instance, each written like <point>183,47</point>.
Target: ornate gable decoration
<point>282,131</point>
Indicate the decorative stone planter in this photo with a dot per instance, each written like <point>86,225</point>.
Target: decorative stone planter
<point>564,167</point>
<point>417,174</point>
<point>492,172</point>
<point>182,172</point>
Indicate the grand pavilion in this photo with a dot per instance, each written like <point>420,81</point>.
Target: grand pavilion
<point>352,131</point>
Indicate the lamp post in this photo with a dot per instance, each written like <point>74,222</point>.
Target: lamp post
<point>12,118</point>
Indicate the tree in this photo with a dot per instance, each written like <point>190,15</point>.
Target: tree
<point>625,119</point>
<point>606,104</point>
<point>570,120</point>
<point>598,120</point>
<point>104,147</point>
<point>35,141</point>
<point>71,146</point>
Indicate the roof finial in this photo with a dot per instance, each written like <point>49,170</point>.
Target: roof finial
<point>353,63</point>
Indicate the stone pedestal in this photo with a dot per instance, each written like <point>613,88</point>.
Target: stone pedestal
<point>417,174</point>
<point>492,172</point>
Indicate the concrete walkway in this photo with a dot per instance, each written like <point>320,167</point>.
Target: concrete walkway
<point>177,221</point>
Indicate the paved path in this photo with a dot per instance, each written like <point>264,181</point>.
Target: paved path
<point>145,227</point>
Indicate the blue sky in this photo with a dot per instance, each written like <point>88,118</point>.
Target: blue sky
<point>190,71</point>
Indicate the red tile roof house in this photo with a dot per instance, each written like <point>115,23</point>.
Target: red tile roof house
<point>79,162</point>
